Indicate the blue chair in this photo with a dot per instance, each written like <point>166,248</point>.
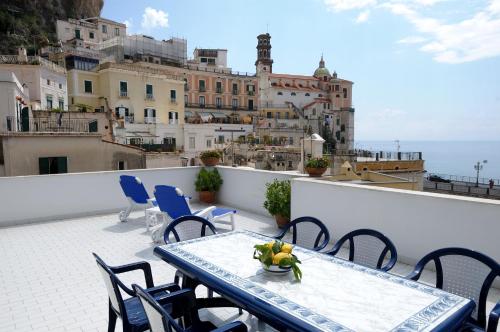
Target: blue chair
<point>183,307</point>
<point>307,232</point>
<point>369,248</point>
<point>172,202</point>
<point>466,273</point>
<point>129,310</point>
<point>187,228</point>
<point>134,190</point>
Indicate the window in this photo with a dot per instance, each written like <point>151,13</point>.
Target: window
<point>344,90</point>
<point>91,35</point>
<point>88,86</point>
<point>235,88</point>
<point>308,94</point>
<point>117,31</point>
<point>201,85</point>
<point>173,117</point>
<point>234,103</point>
<point>250,90</point>
<point>49,102</point>
<point>290,139</point>
<point>173,95</point>
<point>104,28</point>
<point>53,165</point>
<point>337,87</point>
<point>123,89</point>
<point>338,122</point>
<point>220,139</point>
<point>342,140</point>
<point>293,94</point>
<point>250,104</point>
<point>185,100</point>
<point>203,59</point>
<point>314,111</point>
<point>192,143</point>
<point>269,115</point>
<point>320,95</point>
<point>287,115</point>
<point>342,128</point>
<point>77,34</point>
<point>61,104</point>
<point>60,86</point>
<point>149,91</point>
<point>202,101</point>
<point>280,93</point>
<point>48,82</point>
<point>149,115</point>
<point>218,87</point>
<point>122,165</point>
<point>277,115</point>
<point>209,143</point>
<point>218,102</point>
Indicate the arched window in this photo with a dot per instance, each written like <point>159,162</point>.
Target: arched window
<point>307,94</point>
<point>293,94</point>
<point>280,93</point>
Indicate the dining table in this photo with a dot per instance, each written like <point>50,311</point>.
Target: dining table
<point>333,295</point>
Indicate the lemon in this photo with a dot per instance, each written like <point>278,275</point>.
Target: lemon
<point>287,247</point>
<point>279,256</point>
<point>270,245</point>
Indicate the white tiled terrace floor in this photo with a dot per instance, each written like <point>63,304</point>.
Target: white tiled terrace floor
<point>49,280</point>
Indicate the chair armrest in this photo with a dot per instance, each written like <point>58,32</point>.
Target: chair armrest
<point>335,249</point>
<point>182,302</point>
<point>163,288</point>
<point>205,211</point>
<point>414,275</point>
<point>234,326</point>
<point>493,320</point>
<point>144,266</point>
<point>281,234</point>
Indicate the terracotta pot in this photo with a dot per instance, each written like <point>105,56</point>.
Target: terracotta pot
<point>315,172</point>
<point>281,221</point>
<point>211,161</point>
<point>207,197</point>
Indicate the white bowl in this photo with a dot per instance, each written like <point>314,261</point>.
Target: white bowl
<point>276,269</point>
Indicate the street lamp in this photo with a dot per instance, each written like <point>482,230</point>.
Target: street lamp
<point>479,166</point>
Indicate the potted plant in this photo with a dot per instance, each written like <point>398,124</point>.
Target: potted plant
<point>315,167</point>
<point>210,158</point>
<point>277,202</point>
<point>208,183</point>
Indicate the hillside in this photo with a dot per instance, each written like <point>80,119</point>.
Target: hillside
<point>32,23</point>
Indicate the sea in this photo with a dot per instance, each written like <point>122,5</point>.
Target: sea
<point>447,157</point>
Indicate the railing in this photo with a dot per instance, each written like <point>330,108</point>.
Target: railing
<point>462,188</point>
<point>123,94</point>
<point>218,90</point>
<point>150,119</point>
<point>468,179</point>
<point>202,89</point>
<point>173,101</point>
<point>156,147</point>
<point>49,125</point>
<point>386,155</point>
<point>149,96</point>
<point>32,60</point>
<point>220,107</point>
<point>235,92</point>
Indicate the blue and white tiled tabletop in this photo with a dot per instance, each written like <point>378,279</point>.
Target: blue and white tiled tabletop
<point>334,294</point>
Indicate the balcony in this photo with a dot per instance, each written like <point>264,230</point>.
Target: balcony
<point>150,96</point>
<point>150,120</point>
<point>218,90</point>
<point>235,92</point>
<point>173,101</point>
<point>50,125</point>
<point>202,89</point>
<point>220,107</point>
<point>123,94</point>
<point>48,273</point>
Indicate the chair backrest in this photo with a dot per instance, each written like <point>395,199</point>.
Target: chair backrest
<point>170,202</point>
<point>110,280</point>
<point>134,189</point>
<point>157,316</point>
<point>180,303</point>
<point>187,228</point>
<point>368,247</point>
<point>307,232</point>
<point>463,272</point>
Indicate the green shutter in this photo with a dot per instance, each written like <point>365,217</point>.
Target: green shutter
<point>43,165</point>
<point>93,126</point>
<point>62,164</point>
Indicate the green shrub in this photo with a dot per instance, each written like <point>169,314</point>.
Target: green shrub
<point>320,162</point>
<point>278,194</point>
<point>208,180</point>
<point>210,154</point>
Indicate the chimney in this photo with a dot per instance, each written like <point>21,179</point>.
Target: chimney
<point>22,55</point>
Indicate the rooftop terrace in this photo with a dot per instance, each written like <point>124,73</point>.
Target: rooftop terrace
<point>50,225</point>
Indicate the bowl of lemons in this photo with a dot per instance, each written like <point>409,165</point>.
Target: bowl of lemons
<point>277,258</point>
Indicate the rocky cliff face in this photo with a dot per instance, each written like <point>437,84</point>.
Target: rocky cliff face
<point>32,23</point>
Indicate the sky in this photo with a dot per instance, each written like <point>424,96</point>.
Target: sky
<point>422,69</point>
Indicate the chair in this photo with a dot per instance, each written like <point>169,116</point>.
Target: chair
<point>187,228</point>
<point>134,190</point>
<point>466,273</point>
<point>369,248</point>
<point>183,307</point>
<point>129,310</point>
<point>307,232</point>
<point>174,204</point>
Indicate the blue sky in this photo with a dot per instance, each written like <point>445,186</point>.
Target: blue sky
<point>422,69</point>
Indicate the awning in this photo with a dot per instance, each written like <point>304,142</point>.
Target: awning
<point>188,114</point>
<point>141,134</point>
<point>205,117</point>
<point>219,115</point>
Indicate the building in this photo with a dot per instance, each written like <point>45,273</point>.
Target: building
<point>14,99</point>
<point>45,80</point>
<point>144,101</point>
<point>304,103</point>
<point>90,31</point>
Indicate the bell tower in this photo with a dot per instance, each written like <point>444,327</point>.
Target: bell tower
<point>264,63</point>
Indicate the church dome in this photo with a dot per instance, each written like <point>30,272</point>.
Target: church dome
<point>322,71</point>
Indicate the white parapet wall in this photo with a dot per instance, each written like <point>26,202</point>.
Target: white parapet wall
<point>245,188</point>
<point>27,199</point>
<point>416,222</point>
